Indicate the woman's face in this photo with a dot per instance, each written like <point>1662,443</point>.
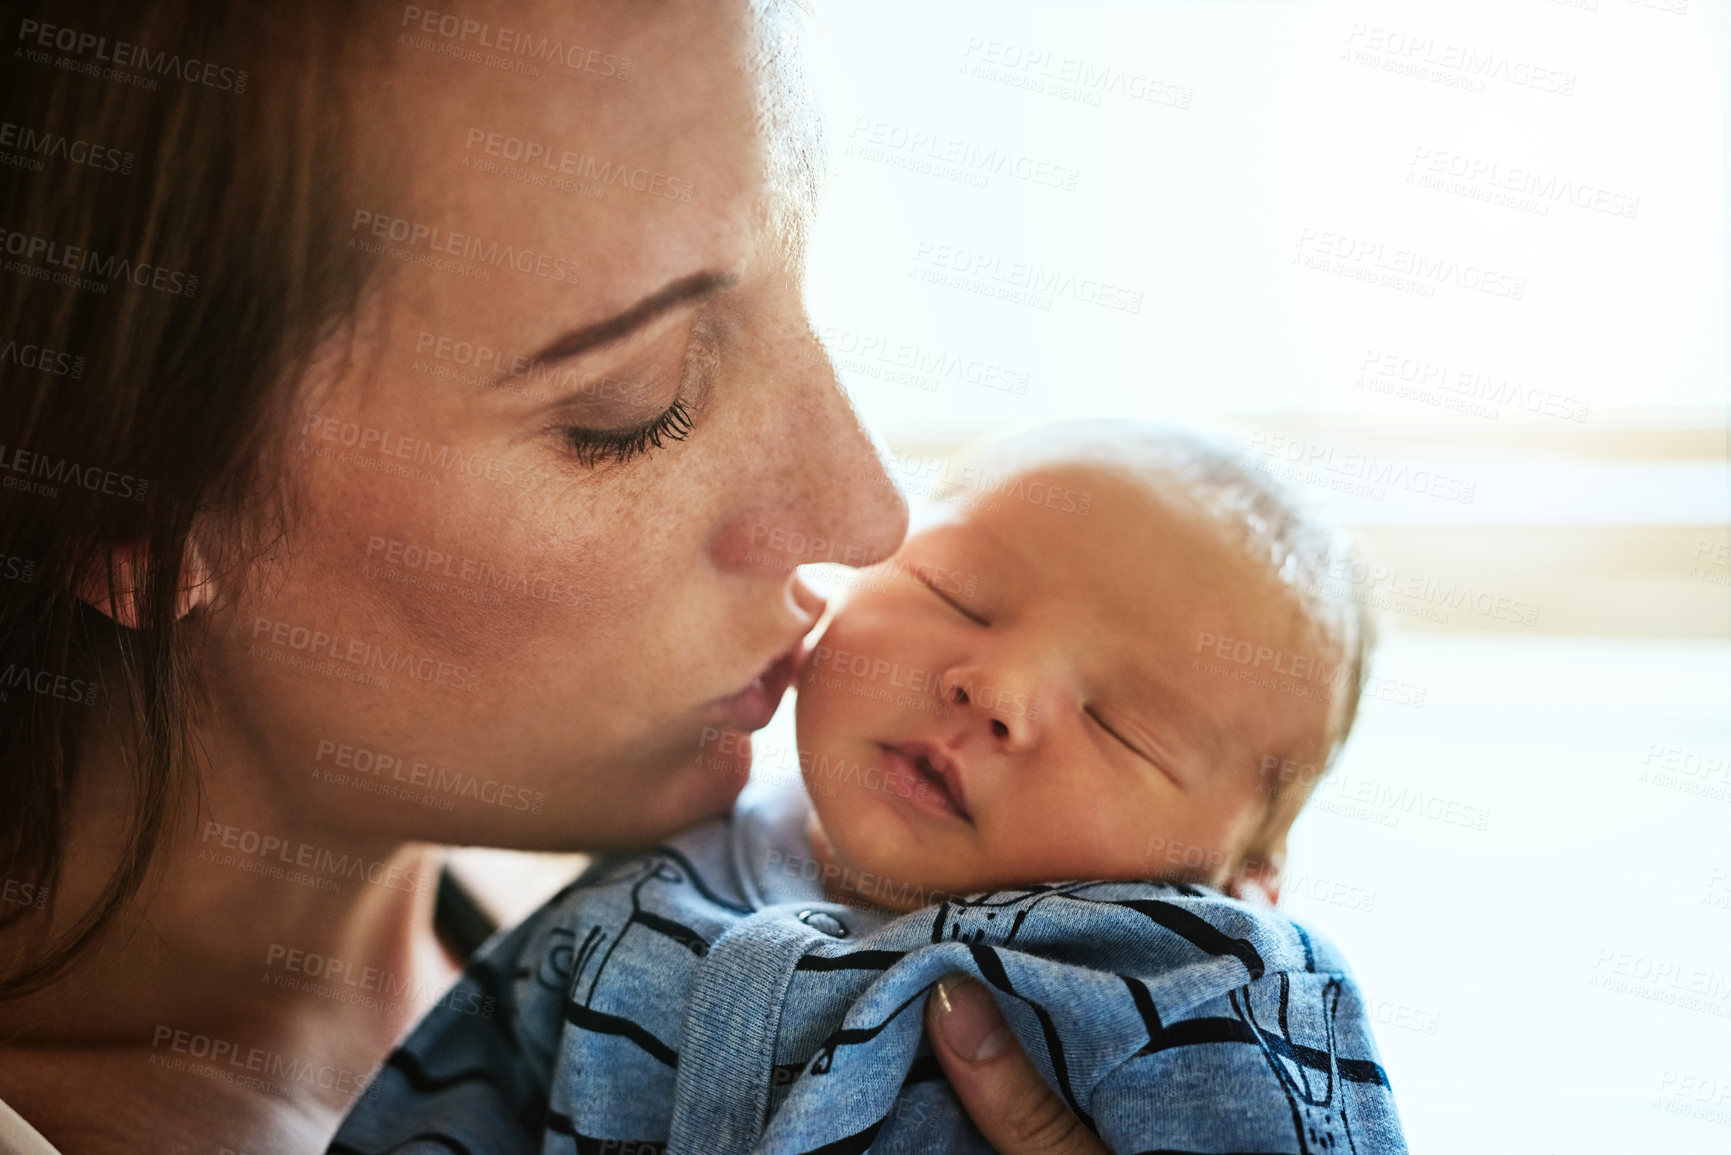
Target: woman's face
<point>550,504</point>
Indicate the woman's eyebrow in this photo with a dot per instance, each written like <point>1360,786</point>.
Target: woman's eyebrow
<point>602,332</point>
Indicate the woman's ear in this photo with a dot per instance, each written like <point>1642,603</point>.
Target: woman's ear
<point>119,600</point>
<point>1257,879</point>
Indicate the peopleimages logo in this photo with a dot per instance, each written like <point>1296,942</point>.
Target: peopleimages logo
<point>1462,66</point>
<point>973,485</point>
<point>268,850</point>
<point>66,471</point>
<point>57,255</point>
<point>1021,282</point>
<point>1481,177</point>
<point>360,654</point>
<point>40,143</point>
<point>1268,450</point>
<point>1419,595</point>
<point>42,359</point>
<point>930,152</point>
<point>907,362</point>
<point>458,33</point>
<point>531,153</point>
<point>414,235</point>
<point>122,54</point>
<point>1399,267</point>
<point>243,1066</point>
<point>368,987</point>
<point>350,765</point>
<point>1067,77</point>
<point>1462,389</point>
<point>20,893</point>
<point>370,447</point>
<point>484,574</point>
<point>48,684</point>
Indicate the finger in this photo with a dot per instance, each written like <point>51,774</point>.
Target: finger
<point>1000,1090</point>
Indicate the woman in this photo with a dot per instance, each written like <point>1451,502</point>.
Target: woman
<point>422,427</point>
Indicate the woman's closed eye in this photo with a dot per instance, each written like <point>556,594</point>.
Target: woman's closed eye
<point>592,447</point>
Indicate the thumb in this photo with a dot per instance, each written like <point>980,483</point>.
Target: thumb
<point>998,1086</point>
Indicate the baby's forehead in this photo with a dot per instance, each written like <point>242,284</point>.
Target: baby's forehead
<point>1117,523</point>
<point>1114,453</point>
<point>1069,490</point>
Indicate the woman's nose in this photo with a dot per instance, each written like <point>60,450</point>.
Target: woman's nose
<point>995,704</point>
<point>813,487</point>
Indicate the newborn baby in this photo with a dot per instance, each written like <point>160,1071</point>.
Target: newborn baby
<point>1056,721</point>
<point>1030,692</point>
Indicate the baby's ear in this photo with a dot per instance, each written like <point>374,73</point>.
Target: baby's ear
<point>1257,879</point>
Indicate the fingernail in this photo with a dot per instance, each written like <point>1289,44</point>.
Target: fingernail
<point>970,1020</point>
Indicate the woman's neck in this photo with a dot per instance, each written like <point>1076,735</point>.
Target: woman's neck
<point>269,963</point>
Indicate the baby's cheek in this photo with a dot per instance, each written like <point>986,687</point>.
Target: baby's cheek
<point>880,621</point>
<point>821,708</point>
<point>1076,829</point>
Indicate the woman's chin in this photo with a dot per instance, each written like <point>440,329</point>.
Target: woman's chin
<point>709,791</point>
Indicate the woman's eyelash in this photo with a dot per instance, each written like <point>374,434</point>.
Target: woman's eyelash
<point>593,447</point>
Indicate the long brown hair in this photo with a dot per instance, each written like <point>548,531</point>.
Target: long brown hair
<point>174,179</point>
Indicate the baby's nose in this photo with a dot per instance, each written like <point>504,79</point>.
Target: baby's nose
<point>1008,715</point>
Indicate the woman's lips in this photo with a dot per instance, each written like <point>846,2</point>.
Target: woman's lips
<point>926,777</point>
<point>753,707</point>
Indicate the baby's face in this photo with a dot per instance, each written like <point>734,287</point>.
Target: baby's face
<point>1019,696</point>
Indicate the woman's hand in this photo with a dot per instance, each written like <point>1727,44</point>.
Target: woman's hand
<point>1000,1090</point>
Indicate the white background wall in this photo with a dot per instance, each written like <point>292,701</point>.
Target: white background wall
<point>1292,125</point>
<point>1559,979</point>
